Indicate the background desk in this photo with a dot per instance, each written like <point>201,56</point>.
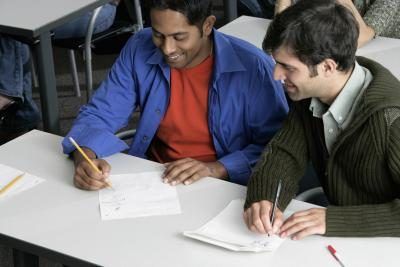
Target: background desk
<point>34,20</point>
<point>383,50</point>
<point>63,223</point>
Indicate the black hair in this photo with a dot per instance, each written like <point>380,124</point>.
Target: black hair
<point>314,30</point>
<point>196,11</point>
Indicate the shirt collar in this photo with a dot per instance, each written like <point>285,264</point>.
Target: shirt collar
<point>344,102</point>
<point>226,57</point>
<point>317,107</point>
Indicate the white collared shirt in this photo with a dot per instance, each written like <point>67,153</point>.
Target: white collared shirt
<point>339,115</point>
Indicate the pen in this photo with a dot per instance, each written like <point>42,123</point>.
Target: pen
<point>336,255</point>
<point>87,158</point>
<point>11,183</point>
<point>274,205</point>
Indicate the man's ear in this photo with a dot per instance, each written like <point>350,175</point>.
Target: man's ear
<point>208,25</point>
<point>328,67</point>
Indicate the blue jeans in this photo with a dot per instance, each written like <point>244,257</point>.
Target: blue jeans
<point>15,72</point>
<point>77,27</point>
<point>15,82</point>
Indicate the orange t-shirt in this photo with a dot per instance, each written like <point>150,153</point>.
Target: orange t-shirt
<point>184,131</point>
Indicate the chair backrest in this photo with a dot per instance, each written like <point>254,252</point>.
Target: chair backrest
<point>314,196</point>
<point>131,9</point>
<point>124,135</point>
<point>256,8</point>
<point>125,24</point>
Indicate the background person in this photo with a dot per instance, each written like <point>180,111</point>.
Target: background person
<point>374,17</point>
<point>18,111</point>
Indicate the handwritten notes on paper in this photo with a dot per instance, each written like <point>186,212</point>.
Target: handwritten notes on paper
<point>138,195</point>
<point>228,230</point>
<point>7,174</point>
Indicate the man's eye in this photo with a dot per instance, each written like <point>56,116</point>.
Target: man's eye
<point>180,38</point>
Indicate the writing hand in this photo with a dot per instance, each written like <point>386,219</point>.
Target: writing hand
<point>257,218</point>
<point>85,176</point>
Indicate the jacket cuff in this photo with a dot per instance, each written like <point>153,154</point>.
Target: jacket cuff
<point>265,190</point>
<point>101,142</point>
<point>237,166</point>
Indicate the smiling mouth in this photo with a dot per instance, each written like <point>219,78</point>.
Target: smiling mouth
<point>173,58</point>
<point>290,88</point>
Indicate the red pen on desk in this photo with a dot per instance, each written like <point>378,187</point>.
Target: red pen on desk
<point>336,255</point>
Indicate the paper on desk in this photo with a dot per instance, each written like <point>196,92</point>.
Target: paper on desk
<point>138,195</point>
<point>7,174</point>
<point>228,230</point>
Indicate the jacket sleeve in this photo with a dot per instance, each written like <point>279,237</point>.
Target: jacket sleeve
<point>266,108</point>
<point>285,158</point>
<point>109,109</point>
<point>376,219</point>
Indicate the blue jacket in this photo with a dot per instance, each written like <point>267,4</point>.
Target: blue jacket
<point>246,106</point>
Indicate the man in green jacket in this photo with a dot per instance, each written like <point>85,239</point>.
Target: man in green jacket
<point>345,119</point>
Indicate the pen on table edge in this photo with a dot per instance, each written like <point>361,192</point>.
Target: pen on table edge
<point>87,158</point>
<point>11,183</point>
<point>336,255</point>
<point>275,204</point>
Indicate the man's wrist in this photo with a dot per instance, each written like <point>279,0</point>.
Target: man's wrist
<point>77,156</point>
<point>218,170</point>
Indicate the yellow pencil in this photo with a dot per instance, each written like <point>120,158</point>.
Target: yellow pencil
<point>11,183</point>
<point>87,158</point>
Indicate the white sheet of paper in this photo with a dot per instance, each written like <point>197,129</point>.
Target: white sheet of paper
<point>228,230</point>
<point>138,195</point>
<point>7,174</point>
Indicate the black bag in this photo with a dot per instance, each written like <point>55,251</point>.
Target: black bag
<point>256,8</point>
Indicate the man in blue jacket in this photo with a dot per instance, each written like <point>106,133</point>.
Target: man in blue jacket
<point>208,101</point>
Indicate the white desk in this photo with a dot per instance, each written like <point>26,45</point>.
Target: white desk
<point>63,223</point>
<point>33,20</point>
<point>383,50</point>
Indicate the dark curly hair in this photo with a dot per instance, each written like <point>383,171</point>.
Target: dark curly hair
<point>196,11</point>
<point>313,31</point>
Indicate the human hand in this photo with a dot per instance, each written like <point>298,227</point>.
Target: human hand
<point>85,176</point>
<point>257,218</point>
<point>304,223</point>
<point>189,170</point>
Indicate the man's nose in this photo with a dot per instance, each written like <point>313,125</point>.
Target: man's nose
<point>279,74</point>
<point>169,46</point>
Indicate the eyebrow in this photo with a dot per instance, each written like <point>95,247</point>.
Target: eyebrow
<point>285,65</point>
<point>172,34</point>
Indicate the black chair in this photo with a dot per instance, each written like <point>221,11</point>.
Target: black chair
<point>256,8</point>
<point>127,22</point>
<point>310,189</point>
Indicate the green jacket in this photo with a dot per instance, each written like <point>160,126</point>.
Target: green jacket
<point>361,176</point>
